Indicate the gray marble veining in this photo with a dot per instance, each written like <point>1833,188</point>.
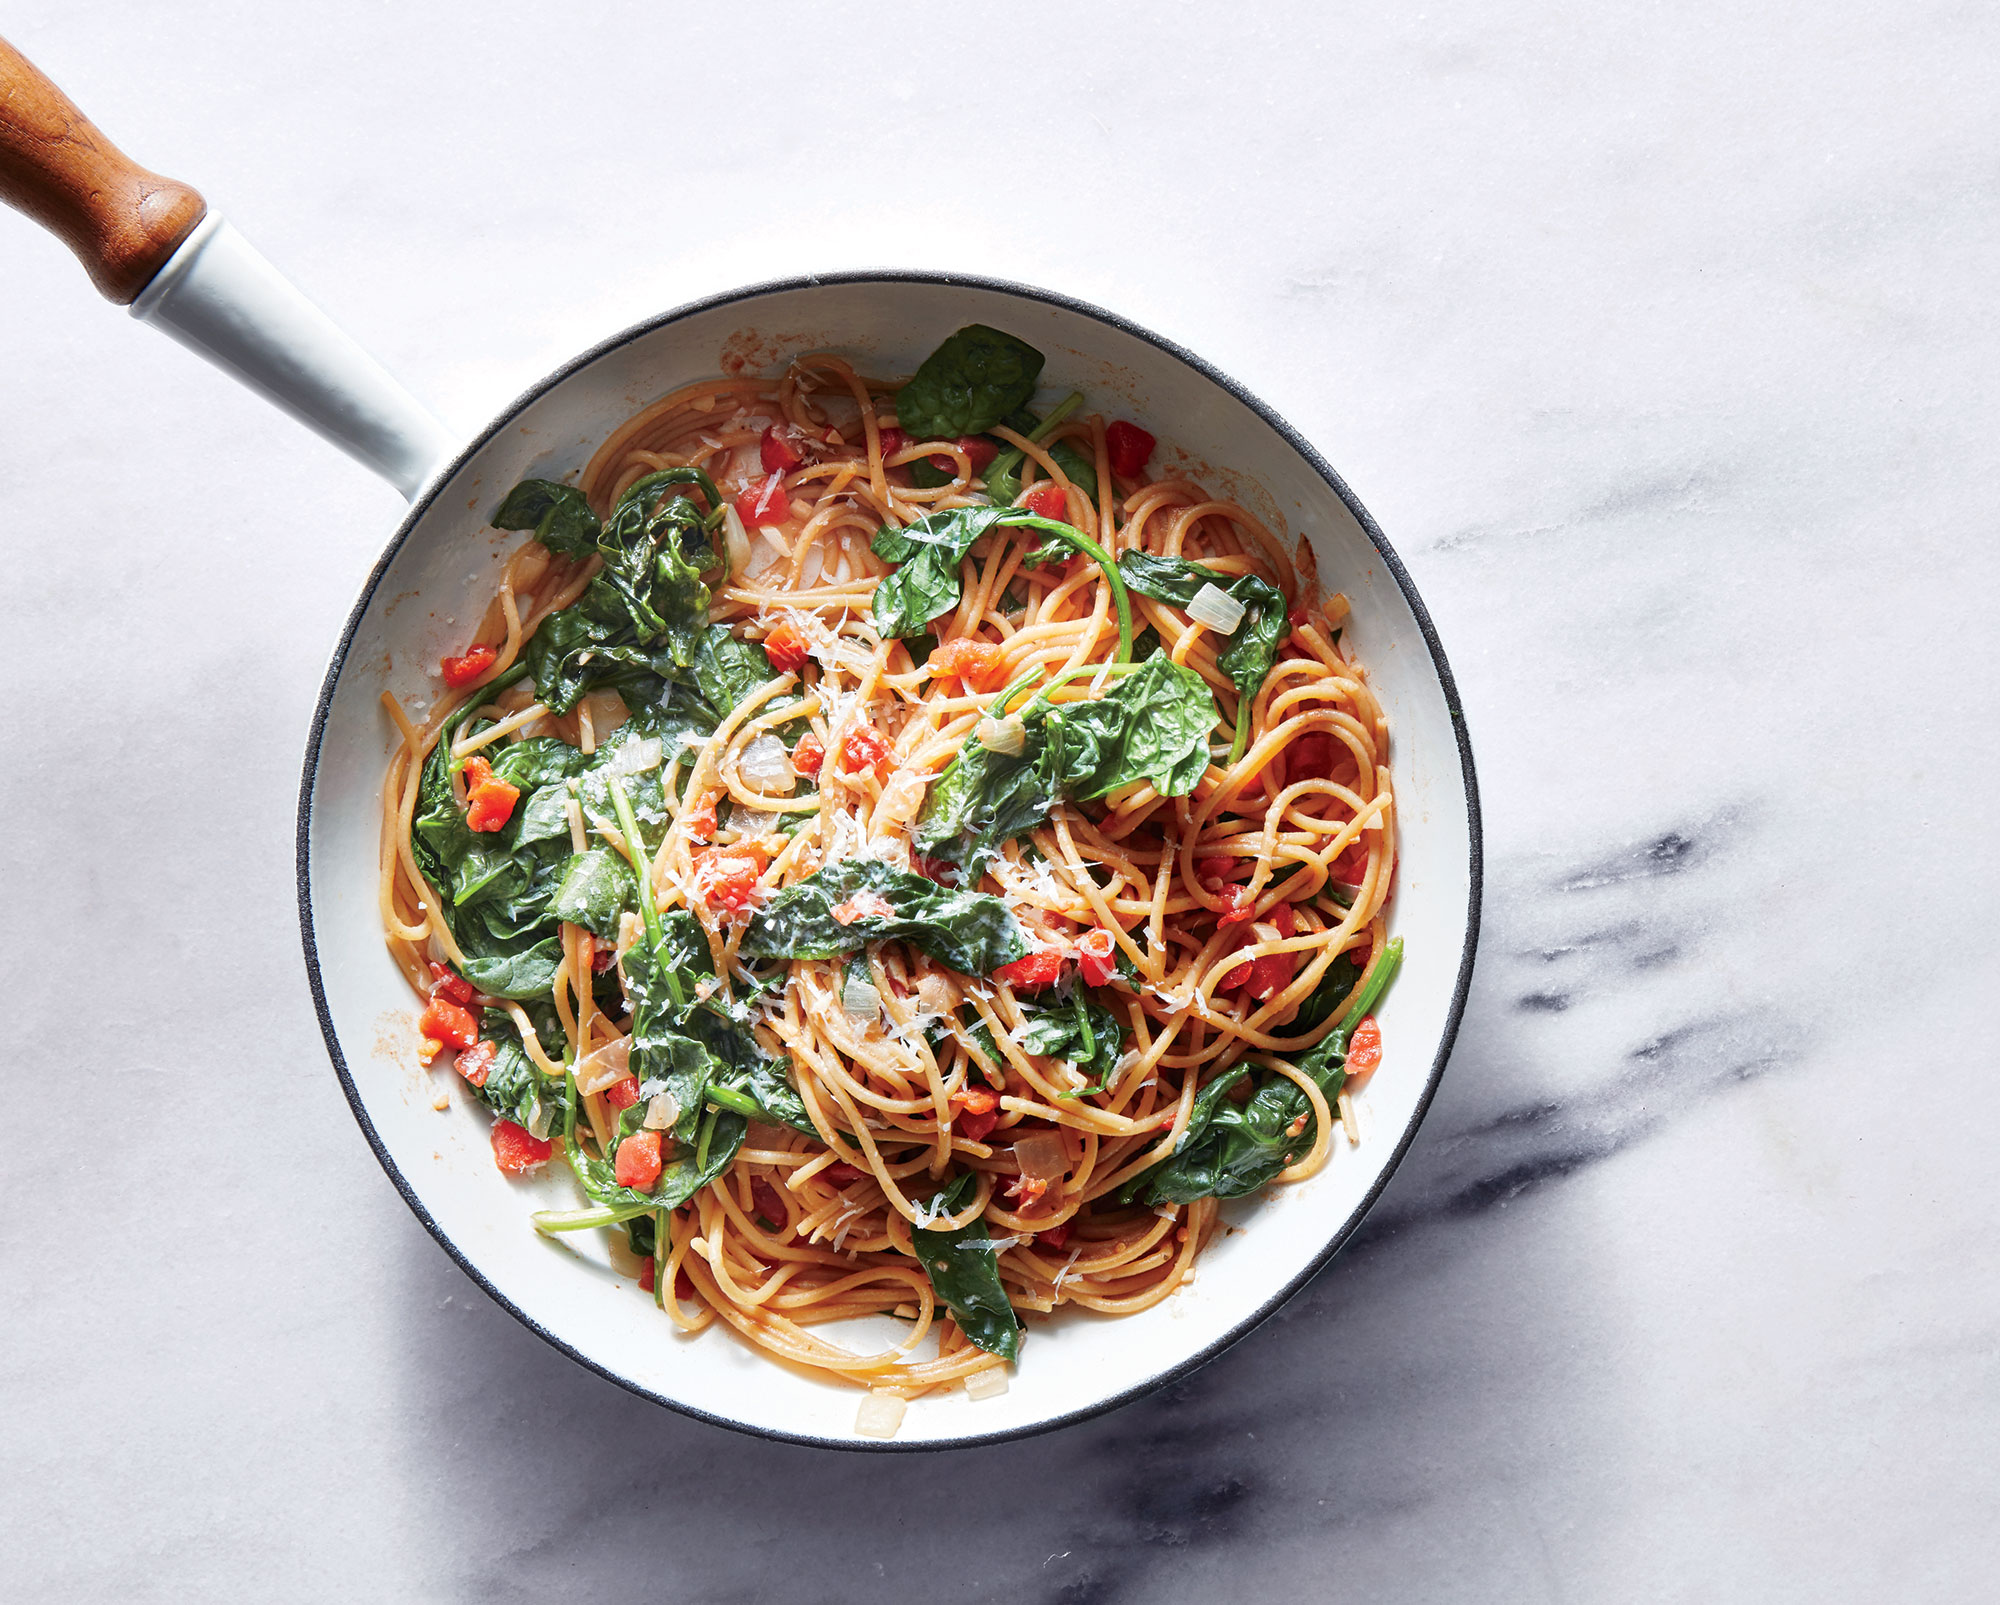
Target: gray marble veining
<point>1663,346</point>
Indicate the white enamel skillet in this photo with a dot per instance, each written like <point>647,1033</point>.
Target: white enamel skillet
<point>151,243</point>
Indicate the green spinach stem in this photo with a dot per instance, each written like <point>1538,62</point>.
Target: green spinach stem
<point>635,851</point>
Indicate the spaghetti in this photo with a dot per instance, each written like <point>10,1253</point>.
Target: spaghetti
<point>1015,840</point>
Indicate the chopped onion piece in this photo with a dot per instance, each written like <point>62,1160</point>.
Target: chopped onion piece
<point>661,1111</point>
<point>636,757</point>
<point>736,539</point>
<point>880,1415</point>
<point>859,1000</point>
<point>766,766</point>
<point>749,822</point>
<point>598,1068</point>
<point>1005,736</point>
<point>1041,1156</point>
<point>541,1119</point>
<point>1216,608</point>
<point>987,1384</point>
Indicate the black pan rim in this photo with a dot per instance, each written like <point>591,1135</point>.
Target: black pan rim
<point>745,294</point>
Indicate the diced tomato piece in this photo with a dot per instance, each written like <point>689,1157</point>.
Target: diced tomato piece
<point>1364,1048</point>
<point>809,754</point>
<point>447,1022</point>
<point>1096,956</point>
<point>975,1112</point>
<point>1296,617</point>
<point>1216,870</point>
<point>1286,918</point>
<point>840,1173</point>
<point>1310,756</point>
<point>980,664</point>
<point>637,1164</point>
<point>489,800</point>
<point>463,671</point>
<point>779,453</point>
<point>1238,906</point>
<point>766,1200</point>
<point>647,1274</point>
<point>864,747</point>
<point>515,1150</point>
<point>1027,1190</point>
<point>1039,969</point>
<point>726,877</point>
<point>701,817</point>
<point>622,1094</point>
<point>786,648</point>
<point>602,956</point>
<point>1056,1237</point>
<point>450,984</point>
<point>1129,447</point>
<point>765,502</point>
<point>979,454</point>
<point>893,440</point>
<point>1048,500</point>
<point>476,1062</point>
<point>1351,867</point>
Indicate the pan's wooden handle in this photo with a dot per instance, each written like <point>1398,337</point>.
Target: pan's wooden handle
<point>122,221</point>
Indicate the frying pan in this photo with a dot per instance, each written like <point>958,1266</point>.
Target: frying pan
<point>152,244</point>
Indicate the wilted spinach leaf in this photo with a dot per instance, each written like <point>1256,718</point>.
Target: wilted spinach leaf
<point>964,1268</point>
<point>969,931</point>
<point>558,514</point>
<point>596,888</point>
<point>930,551</point>
<point>1082,1031</point>
<point>1153,724</point>
<point>1252,646</point>
<point>514,1089</point>
<point>1231,1149</point>
<point>968,384</point>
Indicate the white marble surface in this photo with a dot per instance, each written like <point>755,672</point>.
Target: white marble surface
<point>1661,342</point>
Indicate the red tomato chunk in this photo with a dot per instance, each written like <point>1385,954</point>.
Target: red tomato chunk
<point>447,1022</point>
<point>489,800</point>
<point>808,755</point>
<point>622,1094</point>
<point>1097,957</point>
<point>1364,1051</point>
<point>1129,447</point>
<point>463,671</point>
<point>1048,500</point>
<point>864,747</point>
<point>476,1062</point>
<point>515,1150</point>
<point>637,1164</point>
<point>765,503</point>
<point>1034,972</point>
<point>786,648</point>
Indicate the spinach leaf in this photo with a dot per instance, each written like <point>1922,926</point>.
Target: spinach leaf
<point>648,545</point>
<point>1003,474</point>
<point>968,384</point>
<point>964,1269</point>
<point>930,551</point>
<point>1231,1149</point>
<point>1079,469</point>
<point>514,1088</point>
<point>1252,646</point>
<point>969,931</point>
<point>1084,1032</point>
<point>1324,998</point>
<point>596,888</point>
<point>727,670</point>
<point>1153,724</point>
<point>558,514</point>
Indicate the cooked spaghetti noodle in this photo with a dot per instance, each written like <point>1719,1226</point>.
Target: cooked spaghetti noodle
<point>1037,1131</point>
